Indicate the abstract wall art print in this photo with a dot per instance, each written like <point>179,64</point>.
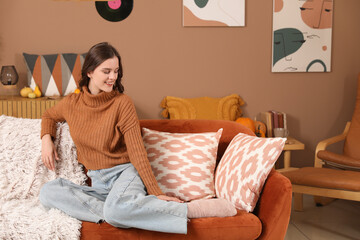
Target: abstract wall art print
<point>214,13</point>
<point>302,32</point>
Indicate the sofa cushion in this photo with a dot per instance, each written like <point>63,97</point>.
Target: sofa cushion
<point>183,163</point>
<point>244,168</point>
<point>240,227</point>
<point>55,74</point>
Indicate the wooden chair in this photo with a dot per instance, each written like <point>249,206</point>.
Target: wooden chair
<point>341,176</point>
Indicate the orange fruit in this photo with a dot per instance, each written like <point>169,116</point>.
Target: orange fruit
<point>247,122</point>
<point>77,90</point>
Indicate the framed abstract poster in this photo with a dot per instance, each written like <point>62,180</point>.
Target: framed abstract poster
<point>213,13</point>
<point>302,32</point>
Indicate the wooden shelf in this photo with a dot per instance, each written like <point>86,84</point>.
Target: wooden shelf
<point>18,106</point>
<point>293,144</point>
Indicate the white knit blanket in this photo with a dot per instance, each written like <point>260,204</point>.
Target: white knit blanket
<point>22,174</point>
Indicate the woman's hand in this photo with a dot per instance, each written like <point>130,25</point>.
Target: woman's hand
<point>48,152</point>
<point>167,198</point>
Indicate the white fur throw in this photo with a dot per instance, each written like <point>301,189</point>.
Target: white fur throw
<point>22,174</point>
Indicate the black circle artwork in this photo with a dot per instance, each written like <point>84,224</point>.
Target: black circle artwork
<point>114,11</point>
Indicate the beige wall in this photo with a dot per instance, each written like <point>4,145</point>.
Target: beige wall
<point>161,58</point>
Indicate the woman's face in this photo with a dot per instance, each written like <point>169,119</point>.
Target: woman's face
<point>104,76</point>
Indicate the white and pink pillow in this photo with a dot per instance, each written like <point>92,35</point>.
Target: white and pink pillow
<point>244,167</point>
<point>183,163</point>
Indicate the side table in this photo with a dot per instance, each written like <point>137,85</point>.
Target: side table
<point>290,145</point>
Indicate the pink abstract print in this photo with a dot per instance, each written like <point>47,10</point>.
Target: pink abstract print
<point>244,168</point>
<point>302,33</point>
<point>183,163</point>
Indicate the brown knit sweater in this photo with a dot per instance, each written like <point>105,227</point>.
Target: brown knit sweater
<point>105,130</point>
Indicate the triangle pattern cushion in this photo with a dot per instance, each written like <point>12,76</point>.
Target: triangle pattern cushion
<point>244,167</point>
<point>55,74</point>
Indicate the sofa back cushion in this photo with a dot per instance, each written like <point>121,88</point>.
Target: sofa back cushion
<point>230,129</point>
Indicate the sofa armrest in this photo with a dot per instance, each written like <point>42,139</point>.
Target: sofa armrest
<point>274,206</point>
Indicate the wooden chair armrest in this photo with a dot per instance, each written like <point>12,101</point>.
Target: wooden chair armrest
<point>322,145</point>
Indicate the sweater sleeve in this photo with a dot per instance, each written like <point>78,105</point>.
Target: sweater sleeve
<point>138,157</point>
<point>51,116</point>
<point>129,126</point>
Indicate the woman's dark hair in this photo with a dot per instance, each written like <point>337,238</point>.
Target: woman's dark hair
<point>96,56</point>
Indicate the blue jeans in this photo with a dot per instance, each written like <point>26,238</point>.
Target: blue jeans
<point>117,196</point>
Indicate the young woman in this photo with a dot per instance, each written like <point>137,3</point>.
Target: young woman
<point>105,129</point>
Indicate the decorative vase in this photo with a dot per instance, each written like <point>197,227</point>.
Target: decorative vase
<point>9,75</point>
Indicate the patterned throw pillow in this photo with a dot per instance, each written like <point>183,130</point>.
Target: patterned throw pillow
<point>183,163</point>
<point>55,74</point>
<point>244,167</point>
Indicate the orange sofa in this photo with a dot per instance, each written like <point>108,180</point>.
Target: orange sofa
<point>269,220</point>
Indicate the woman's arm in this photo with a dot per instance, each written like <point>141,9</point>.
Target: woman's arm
<point>48,133</point>
<point>129,126</point>
<point>139,159</point>
<point>54,115</point>
<point>48,152</point>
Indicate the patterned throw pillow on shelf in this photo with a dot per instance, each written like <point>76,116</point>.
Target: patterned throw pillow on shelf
<point>55,74</point>
<point>183,163</point>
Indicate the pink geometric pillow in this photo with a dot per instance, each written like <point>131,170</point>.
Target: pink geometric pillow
<point>244,167</point>
<point>183,163</point>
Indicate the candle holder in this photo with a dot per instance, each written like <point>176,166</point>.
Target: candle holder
<point>9,75</point>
